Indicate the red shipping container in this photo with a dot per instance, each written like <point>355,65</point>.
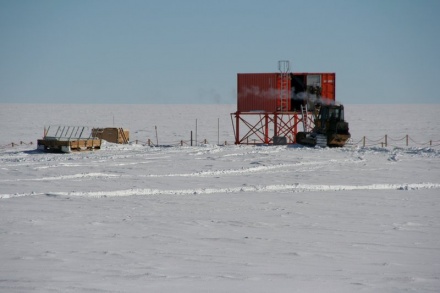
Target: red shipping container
<point>262,91</point>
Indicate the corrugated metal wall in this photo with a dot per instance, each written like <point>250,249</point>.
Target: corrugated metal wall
<point>257,92</point>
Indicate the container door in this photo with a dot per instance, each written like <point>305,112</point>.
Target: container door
<point>329,86</point>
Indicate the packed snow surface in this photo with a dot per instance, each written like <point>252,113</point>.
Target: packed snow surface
<point>218,218</point>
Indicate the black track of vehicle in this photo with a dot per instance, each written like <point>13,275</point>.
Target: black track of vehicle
<point>300,136</point>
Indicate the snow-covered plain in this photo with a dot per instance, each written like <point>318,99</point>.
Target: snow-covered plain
<point>209,218</point>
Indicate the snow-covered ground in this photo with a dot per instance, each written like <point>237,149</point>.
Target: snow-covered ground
<point>209,218</point>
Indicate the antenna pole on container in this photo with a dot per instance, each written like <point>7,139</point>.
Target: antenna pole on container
<point>284,66</point>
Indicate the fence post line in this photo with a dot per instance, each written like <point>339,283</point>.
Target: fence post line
<point>157,138</point>
<point>196,133</point>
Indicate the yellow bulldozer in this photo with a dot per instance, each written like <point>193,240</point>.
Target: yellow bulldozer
<point>330,128</point>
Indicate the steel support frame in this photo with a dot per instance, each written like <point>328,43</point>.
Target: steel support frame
<point>261,127</point>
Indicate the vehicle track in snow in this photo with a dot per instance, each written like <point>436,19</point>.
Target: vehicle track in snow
<point>293,188</point>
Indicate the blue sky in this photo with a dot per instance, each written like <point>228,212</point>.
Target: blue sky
<point>132,51</point>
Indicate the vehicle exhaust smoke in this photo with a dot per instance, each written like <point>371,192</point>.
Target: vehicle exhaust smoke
<point>255,91</point>
<point>311,99</point>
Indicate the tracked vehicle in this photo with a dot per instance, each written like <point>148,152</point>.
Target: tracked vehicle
<point>330,128</point>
